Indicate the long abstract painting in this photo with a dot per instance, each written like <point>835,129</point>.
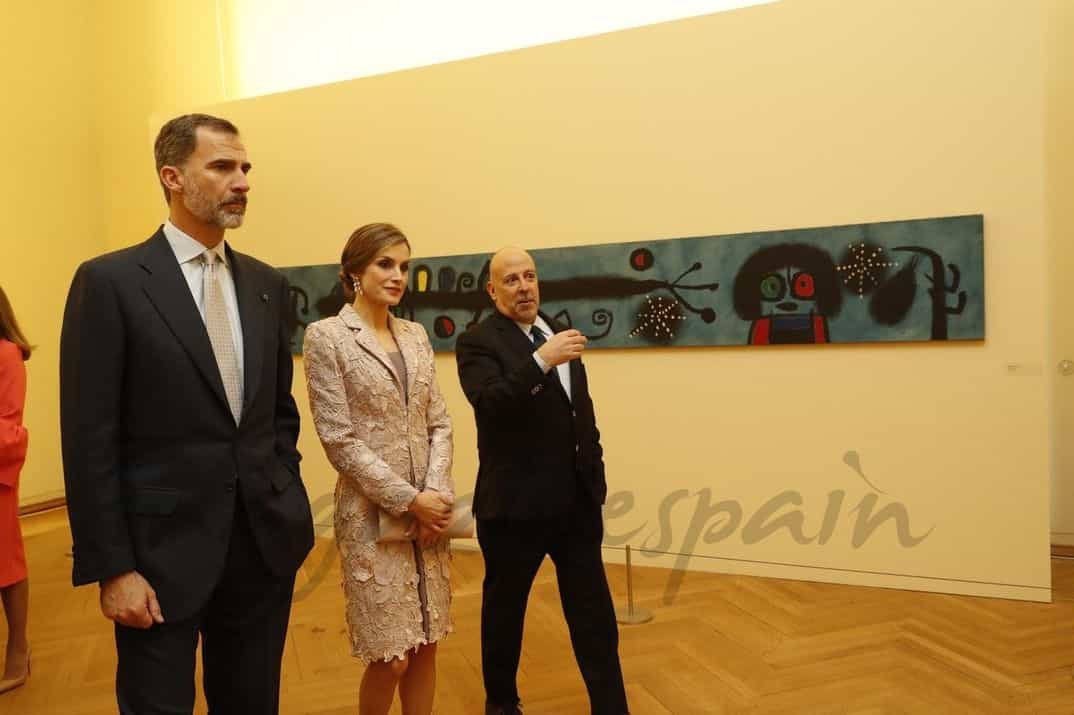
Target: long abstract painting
<point>895,281</point>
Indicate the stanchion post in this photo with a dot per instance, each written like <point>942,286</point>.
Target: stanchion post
<point>632,616</point>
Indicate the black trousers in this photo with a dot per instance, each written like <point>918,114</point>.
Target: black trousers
<point>513,551</point>
<point>242,628</point>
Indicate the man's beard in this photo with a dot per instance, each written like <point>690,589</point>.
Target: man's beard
<point>205,209</point>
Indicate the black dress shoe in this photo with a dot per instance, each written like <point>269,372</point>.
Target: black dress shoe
<point>515,709</point>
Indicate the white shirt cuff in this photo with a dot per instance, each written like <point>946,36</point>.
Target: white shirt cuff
<point>540,363</point>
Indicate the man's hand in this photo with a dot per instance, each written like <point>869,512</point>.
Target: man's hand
<point>432,510</point>
<point>562,347</point>
<point>128,599</point>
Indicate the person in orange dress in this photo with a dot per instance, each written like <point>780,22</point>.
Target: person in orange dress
<point>14,586</point>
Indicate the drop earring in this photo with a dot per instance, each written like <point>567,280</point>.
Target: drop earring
<point>357,287</point>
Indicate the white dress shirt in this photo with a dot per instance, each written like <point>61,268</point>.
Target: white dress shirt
<point>563,369</point>
<point>187,250</point>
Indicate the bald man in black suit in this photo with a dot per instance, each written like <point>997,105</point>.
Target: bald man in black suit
<point>540,485</point>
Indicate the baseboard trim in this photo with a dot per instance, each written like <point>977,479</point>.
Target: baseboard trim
<point>43,504</point>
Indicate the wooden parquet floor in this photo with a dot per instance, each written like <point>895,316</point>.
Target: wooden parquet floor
<point>729,644</point>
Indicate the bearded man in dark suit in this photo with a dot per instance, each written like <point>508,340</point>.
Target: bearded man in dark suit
<point>179,442</point>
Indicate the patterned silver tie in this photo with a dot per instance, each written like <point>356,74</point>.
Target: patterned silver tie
<point>219,329</point>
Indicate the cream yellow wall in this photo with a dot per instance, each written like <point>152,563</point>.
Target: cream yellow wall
<point>82,82</point>
<point>49,220</point>
<point>1059,48</point>
<point>802,113</point>
<point>807,112</point>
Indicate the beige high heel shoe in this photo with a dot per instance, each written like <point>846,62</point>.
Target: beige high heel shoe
<point>12,683</point>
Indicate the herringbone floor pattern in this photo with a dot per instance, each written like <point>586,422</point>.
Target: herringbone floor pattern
<point>726,644</point>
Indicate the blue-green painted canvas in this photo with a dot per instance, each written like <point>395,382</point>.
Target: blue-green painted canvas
<point>894,281</point>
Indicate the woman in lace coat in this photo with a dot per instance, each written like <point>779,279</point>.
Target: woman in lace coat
<point>384,426</point>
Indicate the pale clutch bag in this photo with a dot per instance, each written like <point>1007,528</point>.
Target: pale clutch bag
<point>405,528</point>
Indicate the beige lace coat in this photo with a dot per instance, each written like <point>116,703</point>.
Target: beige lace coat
<point>376,441</point>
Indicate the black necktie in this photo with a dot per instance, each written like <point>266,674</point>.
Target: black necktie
<point>537,335</point>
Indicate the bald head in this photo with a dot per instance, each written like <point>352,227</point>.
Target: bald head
<point>513,284</point>
<point>507,256</point>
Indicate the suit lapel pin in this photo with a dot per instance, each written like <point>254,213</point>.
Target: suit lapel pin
<point>264,297</point>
